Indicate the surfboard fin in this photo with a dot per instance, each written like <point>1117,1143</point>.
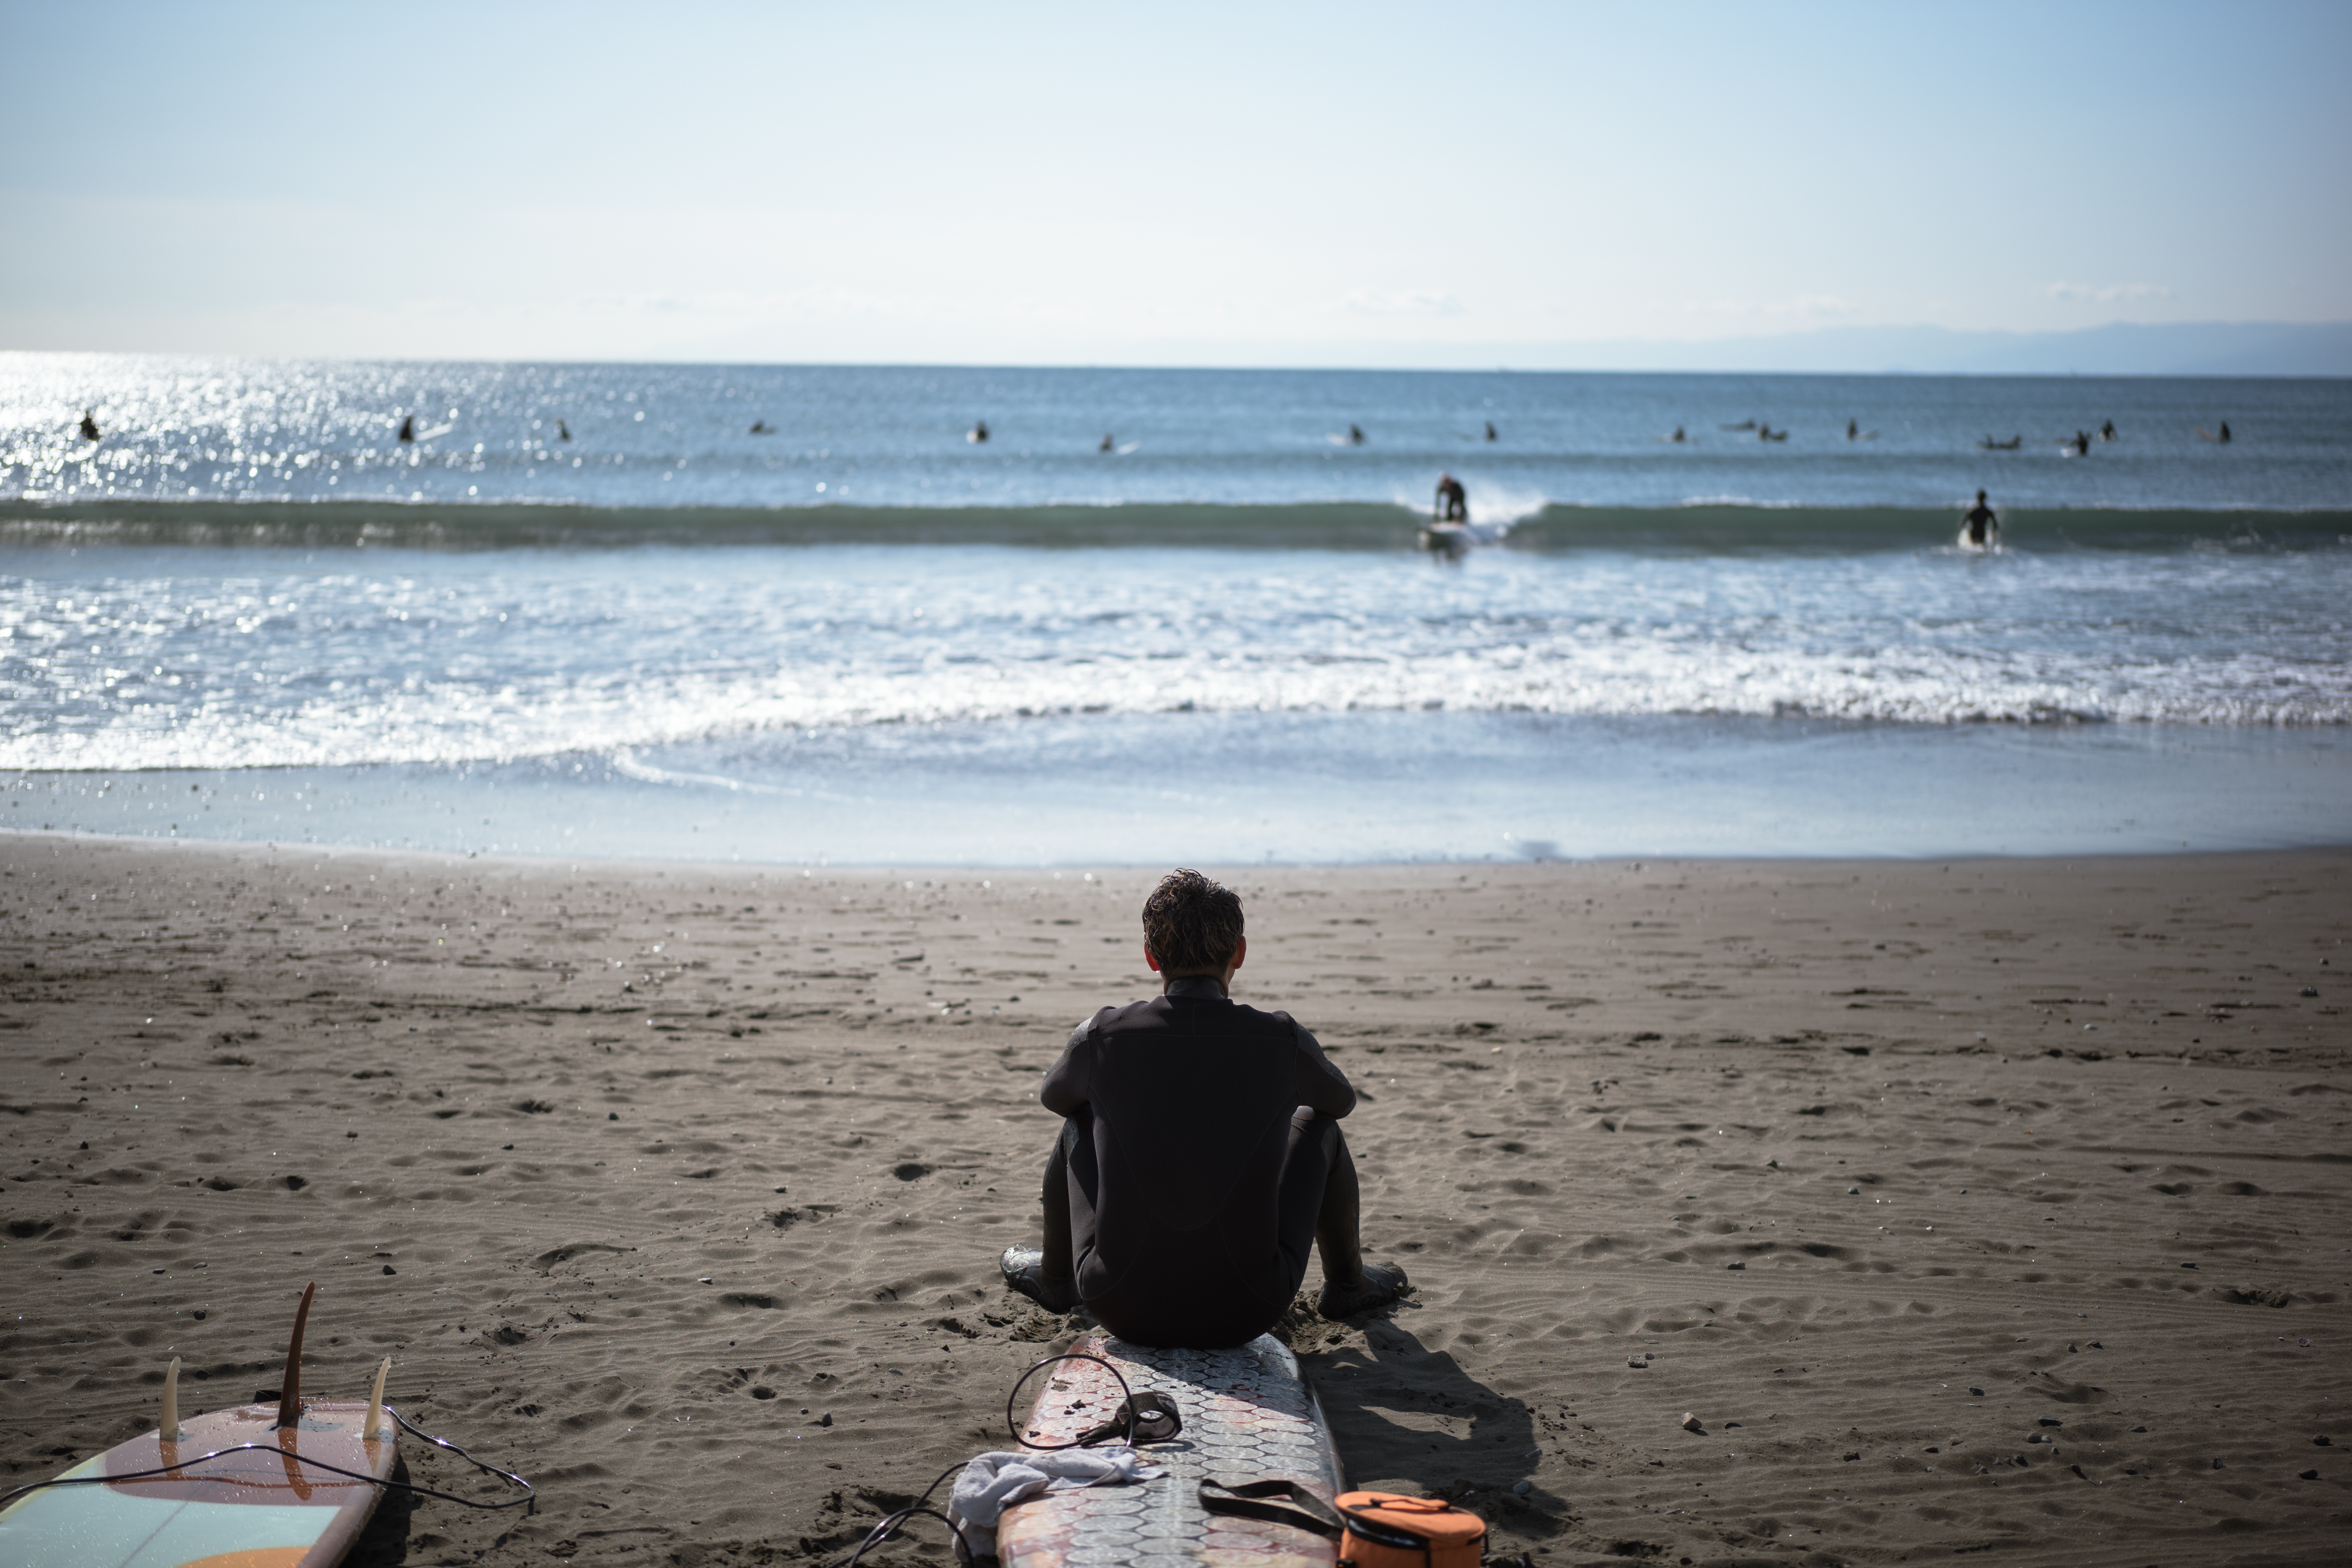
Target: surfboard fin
<point>373,1430</point>
<point>289,1393</point>
<point>168,1428</point>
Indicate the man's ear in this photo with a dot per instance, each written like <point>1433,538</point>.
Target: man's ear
<point>1150,959</point>
<point>1241,951</point>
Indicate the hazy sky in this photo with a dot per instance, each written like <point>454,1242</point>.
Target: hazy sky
<point>1165,184</point>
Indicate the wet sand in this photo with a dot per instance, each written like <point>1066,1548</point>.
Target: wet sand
<point>1989,1207</point>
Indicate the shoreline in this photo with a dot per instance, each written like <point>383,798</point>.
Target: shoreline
<point>1089,870</point>
<point>599,1153</point>
<point>1362,789</point>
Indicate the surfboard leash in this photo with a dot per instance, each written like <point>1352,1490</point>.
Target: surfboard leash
<point>530,1492</point>
<point>889,1524</point>
<point>1142,1417</point>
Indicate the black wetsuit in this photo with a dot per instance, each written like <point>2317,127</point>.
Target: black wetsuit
<point>1201,1136</point>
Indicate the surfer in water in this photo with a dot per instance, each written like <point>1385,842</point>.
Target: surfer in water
<point>563,431</point>
<point>1978,525</point>
<point>1355,435</point>
<point>1109,444</point>
<point>1490,432</point>
<point>978,432</point>
<point>89,425</point>
<point>408,428</point>
<point>1452,501</point>
<point>1199,1158</point>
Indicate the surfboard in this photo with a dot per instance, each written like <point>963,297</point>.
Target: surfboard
<point>276,1504</point>
<point>249,1509</point>
<point>1248,1415</point>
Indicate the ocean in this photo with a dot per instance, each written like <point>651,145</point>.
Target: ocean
<point>798,616</point>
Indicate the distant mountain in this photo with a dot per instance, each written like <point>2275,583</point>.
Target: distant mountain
<point>2188,348</point>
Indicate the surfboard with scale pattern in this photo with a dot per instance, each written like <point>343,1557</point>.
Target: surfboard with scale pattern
<point>1248,1415</point>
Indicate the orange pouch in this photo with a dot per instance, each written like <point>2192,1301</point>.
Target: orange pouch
<point>1374,1529</point>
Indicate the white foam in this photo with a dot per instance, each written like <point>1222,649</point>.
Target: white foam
<point>455,660</point>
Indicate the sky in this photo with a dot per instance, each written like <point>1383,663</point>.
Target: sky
<point>1244,184</point>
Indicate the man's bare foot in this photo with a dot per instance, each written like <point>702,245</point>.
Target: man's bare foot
<point>1024,1271</point>
<point>1377,1286</point>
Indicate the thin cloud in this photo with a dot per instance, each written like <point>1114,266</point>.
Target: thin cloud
<point>1418,302</point>
<point>2109,293</point>
<point>1811,306</point>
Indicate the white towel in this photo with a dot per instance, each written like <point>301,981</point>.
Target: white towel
<point>992,1482</point>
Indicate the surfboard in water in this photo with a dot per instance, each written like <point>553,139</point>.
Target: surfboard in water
<point>1248,1415</point>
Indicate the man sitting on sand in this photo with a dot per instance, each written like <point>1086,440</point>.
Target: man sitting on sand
<point>1200,1155</point>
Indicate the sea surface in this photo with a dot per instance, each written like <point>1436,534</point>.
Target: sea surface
<point>798,615</point>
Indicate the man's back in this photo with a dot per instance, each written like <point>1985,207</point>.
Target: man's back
<point>1188,1098</point>
<point>1199,1163</point>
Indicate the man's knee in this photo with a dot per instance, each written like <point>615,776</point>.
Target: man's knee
<point>1310,1129</point>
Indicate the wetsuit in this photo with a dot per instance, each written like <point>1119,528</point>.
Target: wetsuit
<point>1200,1137</point>
<point>1982,525</point>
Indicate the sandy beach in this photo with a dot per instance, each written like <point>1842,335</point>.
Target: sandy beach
<point>1988,1206</point>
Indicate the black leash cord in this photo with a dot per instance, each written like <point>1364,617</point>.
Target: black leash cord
<point>530,1495</point>
<point>530,1492</point>
<point>890,1522</point>
<point>1128,1393</point>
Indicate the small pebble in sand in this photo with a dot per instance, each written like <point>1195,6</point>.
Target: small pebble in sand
<point>2217,1464</point>
<point>2049,1421</point>
<point>1690,1423</point>
<point>1978,1392</point>
<point>1854,1190</point>
<point>1638,1363</point>
<point>1533,1454</point>
<point>2307,1474</point>
<point>2038,1438</point>
<point>2311,990</point>
<point>1735,1265</point>
<point>2323,1442</point>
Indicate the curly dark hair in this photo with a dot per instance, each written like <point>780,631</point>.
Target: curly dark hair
<point>1192,925</point>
